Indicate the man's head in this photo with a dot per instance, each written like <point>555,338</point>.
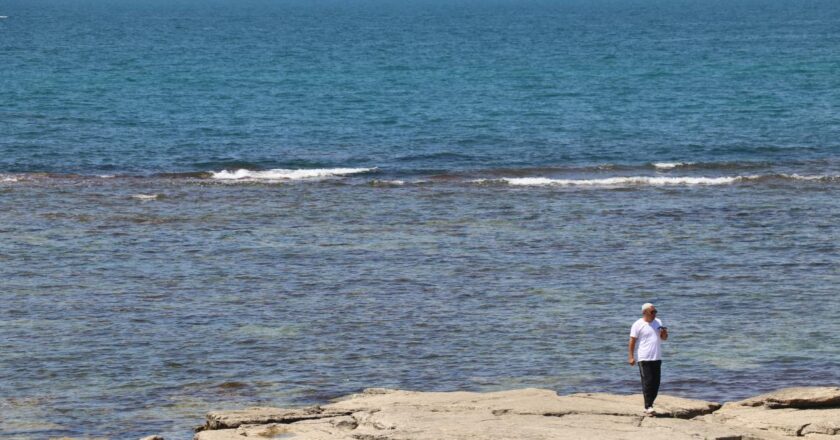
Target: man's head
<point>648,312</point>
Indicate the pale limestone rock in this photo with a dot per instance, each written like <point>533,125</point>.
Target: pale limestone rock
<point>797,397</point>
<point>521,414</point>
<point>787,421</point>
<point>529,414</point>
<point>666,406</point>
<point>262,415</point>
<point>297,431</point>
<point>219,434</point>
<point>527,401</point>
<point>700,428</point>
<point>477,426</point>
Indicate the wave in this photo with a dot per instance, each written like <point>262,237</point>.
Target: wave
<point>386,183</point>
<point>670,165</point>
<point>185,175</point>
<point>744,165</point>
<point>616,181</point>
<point>652,180</point>
<point>283,174</point>
<point>817,178</point>
<point>226,163</point>
<point>147,197</point>
<point>611,168</point>
<point>546,176</point>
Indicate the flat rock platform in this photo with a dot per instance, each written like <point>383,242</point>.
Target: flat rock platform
<point>536,414</point>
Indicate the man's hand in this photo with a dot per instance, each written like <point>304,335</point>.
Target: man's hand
<point>631,360</point>
<point>663,334</point>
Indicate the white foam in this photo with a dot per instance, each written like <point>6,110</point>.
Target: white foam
<point>670,165</point>
<point>619,181</point>
<point>387,182</point>
<point>533,181</point>
<point>281,174</point>
<point>799,177</point>
<point>9,179</point>
<point>146,196</point>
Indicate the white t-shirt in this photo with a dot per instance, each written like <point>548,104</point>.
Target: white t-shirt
<point>647,339</point>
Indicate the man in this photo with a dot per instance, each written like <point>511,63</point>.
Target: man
<point>648,333</point>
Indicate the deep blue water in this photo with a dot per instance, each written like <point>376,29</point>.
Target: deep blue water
<point>214,204</point>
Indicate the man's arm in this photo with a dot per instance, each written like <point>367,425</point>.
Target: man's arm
<point>630,349</point>
<point>663,333</point>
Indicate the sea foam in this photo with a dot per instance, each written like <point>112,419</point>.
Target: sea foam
<point>814,178</point>
<point>670,165</point>
<point>377,182</point>
<point>283,174</point>
<point>146,197</point>
<point>619,181</point>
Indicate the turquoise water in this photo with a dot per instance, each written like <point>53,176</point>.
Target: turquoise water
<point>217,204</point>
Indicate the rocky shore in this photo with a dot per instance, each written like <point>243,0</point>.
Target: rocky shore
<point>532,414</point>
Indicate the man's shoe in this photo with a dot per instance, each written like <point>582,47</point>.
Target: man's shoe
<point>650,412</point>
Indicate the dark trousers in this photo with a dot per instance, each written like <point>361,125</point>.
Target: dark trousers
<point>651,372</point>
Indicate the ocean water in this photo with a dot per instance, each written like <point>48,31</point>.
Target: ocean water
<point>218,204</point>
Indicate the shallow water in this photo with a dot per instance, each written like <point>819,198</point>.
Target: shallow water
<point>215,205</point>
<point>124,316</point>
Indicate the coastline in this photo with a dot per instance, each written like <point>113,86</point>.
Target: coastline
<point>532,414</point>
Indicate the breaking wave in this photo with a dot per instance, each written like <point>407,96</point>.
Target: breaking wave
<point>652,180</point>
<point>670,165</point>
<point>283,174</point>
<point>506,177</point>
<point>147,197</point>
<point>386,183</point>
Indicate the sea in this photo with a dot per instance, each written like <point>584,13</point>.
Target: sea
<point>215,204</point>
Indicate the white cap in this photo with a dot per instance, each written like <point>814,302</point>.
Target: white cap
<point>646,306</point>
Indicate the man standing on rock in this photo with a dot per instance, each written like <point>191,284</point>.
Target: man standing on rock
<point>648,333</point>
